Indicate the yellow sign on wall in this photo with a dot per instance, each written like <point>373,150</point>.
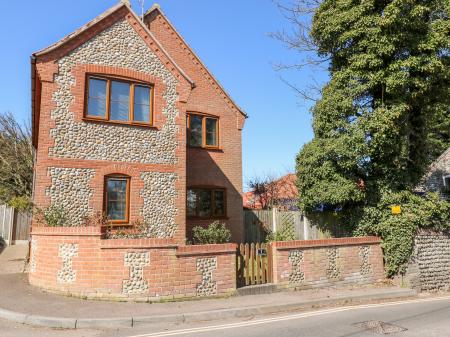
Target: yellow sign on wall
<point>396,209</point>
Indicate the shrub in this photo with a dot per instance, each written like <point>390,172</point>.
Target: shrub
<point>22,204</point>
<point>398,231</point>
<point>52,216</point>
<point>216,232</point>
<point>98,219</point>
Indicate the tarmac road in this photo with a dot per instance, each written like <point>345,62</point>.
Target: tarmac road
<point>415,318</point>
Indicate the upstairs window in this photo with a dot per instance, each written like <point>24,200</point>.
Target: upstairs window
<point>203,131</point>
<point>206,203</point>
<point>119,101</point>
<point>117,198</point>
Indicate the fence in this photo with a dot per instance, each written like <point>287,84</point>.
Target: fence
<point>259,223</point>
<point>14,225</point>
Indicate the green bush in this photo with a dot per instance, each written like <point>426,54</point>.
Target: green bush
<point>21,203</point>
<point>52,216</point>
<point>216,232</point>
<point>398,231</point>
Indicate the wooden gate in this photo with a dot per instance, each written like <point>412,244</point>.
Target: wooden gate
<point>254,264</point>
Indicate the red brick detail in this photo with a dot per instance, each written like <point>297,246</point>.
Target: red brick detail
<point>221,168</point>
<point>226,248</point>
<point>78,91</point>
<point>100,269</point>
<point>67,231</point>
<point>315,262</point>
<point>367,240</point>
<point>47,71</point>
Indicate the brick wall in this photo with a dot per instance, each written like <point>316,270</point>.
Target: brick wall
<point>323,263</point>
<point>78,262</point>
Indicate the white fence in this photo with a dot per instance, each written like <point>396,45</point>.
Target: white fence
<point>14,225</point>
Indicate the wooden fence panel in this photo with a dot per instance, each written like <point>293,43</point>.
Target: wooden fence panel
<point>14,225</point>
<point>259,223</point>
<point>22,222</point>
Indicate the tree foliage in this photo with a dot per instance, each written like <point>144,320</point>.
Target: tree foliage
<point>398,231</point>
<point>384,114</point>
<point>16,162</point>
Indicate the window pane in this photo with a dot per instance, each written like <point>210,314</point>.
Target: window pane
<point>195,131</point>
<point>141,104</point>
<point>191,203</point>
<point>96,107</point>
<point>97,88</point>
<point>116,197</point>
<point>97,98</point>
<point>204,203</point>
<point>141,95</point>
<point>219,203</point>
<point>120,101</point>
<point>211,131</point>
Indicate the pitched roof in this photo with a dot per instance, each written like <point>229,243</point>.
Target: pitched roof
<point>101,17</point>
<point>157,8</point>
<point>73,38</point>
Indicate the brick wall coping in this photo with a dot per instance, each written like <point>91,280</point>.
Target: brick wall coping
<point>282,245</point>
<point>67,231</point>
<point>225,248</point>
<point>138,243</point>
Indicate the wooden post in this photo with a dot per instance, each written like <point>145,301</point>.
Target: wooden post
<point>306,227</point>
<point>274,220</point>
<point>11,225</point>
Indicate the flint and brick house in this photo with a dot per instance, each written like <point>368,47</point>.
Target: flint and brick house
<point>128,121</point>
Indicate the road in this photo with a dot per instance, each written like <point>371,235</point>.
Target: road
<point>415,318</point>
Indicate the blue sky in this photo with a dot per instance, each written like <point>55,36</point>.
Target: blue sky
<point>231,38</point>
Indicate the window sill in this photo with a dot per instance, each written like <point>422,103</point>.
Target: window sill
<point>213,149</point>
<point>99,120</point>
<point>119,224</point>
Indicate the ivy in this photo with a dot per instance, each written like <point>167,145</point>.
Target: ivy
<point>398,231</point>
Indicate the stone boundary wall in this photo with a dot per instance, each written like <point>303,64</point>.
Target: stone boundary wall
<point>77,261</point>
<point>324,263</point>
<point>429,267</point>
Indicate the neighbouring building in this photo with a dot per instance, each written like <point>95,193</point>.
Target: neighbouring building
<point>437,178</point>
<point>284,192</point>
<point>127,120</point>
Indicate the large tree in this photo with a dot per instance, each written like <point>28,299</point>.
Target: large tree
<point>16,162</point>
<point>384,114</point>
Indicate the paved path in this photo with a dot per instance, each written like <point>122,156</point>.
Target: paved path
<point>12,259</point>
<point>34,302</point>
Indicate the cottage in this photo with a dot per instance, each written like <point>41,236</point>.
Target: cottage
<point>128,121</point>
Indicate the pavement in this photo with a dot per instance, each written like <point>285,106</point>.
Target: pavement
<point>39,308</point>
<point>12,258</point>
<point>22,303</point>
